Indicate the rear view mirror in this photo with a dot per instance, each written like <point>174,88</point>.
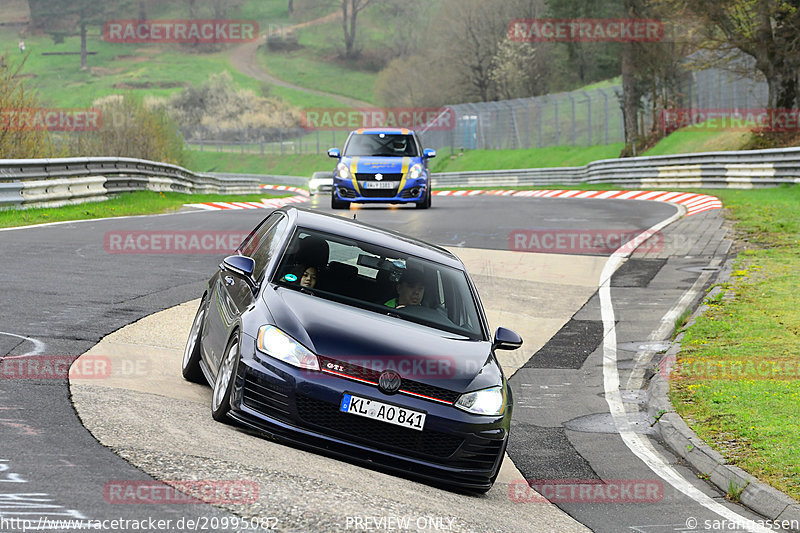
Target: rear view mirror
<point>430,154</point>
<point>334,152</point>
<point>505,339</point>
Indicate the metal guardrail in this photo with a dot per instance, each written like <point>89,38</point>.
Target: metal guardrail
<point>742,169</point>
<point>54,182</point>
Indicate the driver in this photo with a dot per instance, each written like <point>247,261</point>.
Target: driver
<point>410,290</point>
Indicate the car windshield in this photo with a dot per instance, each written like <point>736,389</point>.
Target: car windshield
<point>381,144</point>
<point>381,280</point>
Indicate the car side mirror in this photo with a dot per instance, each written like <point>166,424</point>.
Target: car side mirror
<point>242,266</point>
<point>505,339</point>
<point>430,154</point>
<point>334,152</point>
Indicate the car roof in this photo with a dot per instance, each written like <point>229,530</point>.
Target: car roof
<point>354,229</point>
<point>392,131</point>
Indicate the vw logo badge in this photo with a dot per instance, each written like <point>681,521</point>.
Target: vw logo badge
<point>378,177</point>
<point>389,382</point>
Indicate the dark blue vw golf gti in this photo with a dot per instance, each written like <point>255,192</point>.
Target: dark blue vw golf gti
<point>381,165</point>
<point>359,342</point>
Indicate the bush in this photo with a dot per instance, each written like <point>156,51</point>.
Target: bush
<point>218,108</point>
<point>19,141</point>
<point>131,129</point>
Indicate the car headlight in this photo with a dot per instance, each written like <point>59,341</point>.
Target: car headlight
<point>483,402</point>
<point>415,171</point>
<point>281,346</point>
<point>343,172</point>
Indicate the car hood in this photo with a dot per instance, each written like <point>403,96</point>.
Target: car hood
<point>382,165</point>
<point>370,340</point>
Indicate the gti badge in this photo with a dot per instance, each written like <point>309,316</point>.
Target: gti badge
<point>389,382</point>
<point>378,177</point>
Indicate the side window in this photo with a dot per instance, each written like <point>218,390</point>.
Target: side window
<point>261,245</point>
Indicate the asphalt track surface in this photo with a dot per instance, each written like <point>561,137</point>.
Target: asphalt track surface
<point>63,292</point>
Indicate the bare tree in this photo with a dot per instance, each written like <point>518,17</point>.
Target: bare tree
<point>350,11</point>
<point>766,30</point>
<point>62,18</point>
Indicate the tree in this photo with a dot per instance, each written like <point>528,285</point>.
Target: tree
<point>350,11</point>
<point>765,30</point>
<point>63,18</point>
<point>514,73</point>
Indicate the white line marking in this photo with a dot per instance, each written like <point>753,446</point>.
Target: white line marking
<point>38,346</point>
<point>635,443</point>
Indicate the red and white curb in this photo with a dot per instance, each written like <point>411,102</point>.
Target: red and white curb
<point>286,188</point>
<point>301,195</point>
<point>693,202</point>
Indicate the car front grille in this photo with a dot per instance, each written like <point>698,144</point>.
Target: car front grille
<point>378,193</point>
<point>267,398</point>
<point>416,388</point>
<point>384,177</point>
<point>375,433</point>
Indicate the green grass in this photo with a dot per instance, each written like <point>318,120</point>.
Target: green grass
<point>316,66</point>
<point>117,69</point>
<point>738,377</point>
<point>147,69</point>
<point>684,141</point>
<point>303,99</point>
<point>126,204</point>
<point>287,165</point>
<point>555,156</point>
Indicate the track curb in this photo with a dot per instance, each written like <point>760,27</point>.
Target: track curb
<point>686,444</point>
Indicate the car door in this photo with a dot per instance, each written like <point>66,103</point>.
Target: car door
<point>231,294</point>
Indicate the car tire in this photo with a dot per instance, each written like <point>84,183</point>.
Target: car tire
<point>223,385</point>
<point>190,367</point>
<point>338,204</point>
<point>426,203</point>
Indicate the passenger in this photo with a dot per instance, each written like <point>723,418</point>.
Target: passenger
<point>305,276</point>
<point>309,277</point>
<point>410,290</point>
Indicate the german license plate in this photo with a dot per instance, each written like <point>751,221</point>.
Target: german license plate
<point>385,412</point>
<point>380,184</point>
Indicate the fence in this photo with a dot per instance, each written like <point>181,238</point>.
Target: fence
<point>578,118</point>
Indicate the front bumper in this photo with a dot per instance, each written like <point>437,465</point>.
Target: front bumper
<point>454,448</point>
<point>411,191</point>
